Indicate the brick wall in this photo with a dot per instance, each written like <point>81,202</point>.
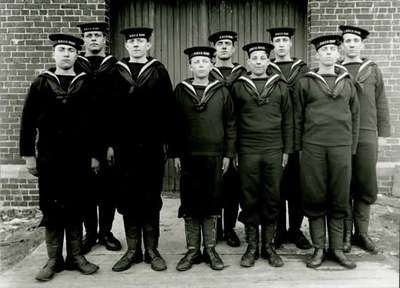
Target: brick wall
<point>382,19</point>
<point>25,51</point>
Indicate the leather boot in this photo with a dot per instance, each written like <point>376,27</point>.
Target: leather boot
<point>252,252</point>
<point>211,256</point>
<point>268,250</point>
<point>133,237</point>
<point>107,239</point>
<point>193,255</point>
<point>338,256</point>
<point>80,263</point>
<point>75,260</point>
<point>298,238</point>
<point>125,262</point>
<point>348,235</point>
<point>54,242</point>
<point>318,237</point>
<point>151,255</point>
<point>273,258</point>
<point>365,242</point>
<point>317,258</point>
<point>361,223</point>
<point>231,238</point>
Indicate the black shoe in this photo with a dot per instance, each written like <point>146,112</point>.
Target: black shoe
<point>280,238</point>
<point>338,256</point>
<point>231,238</point>
<point>249,257</point>
<point>125,262</point>
<point>153,257</point>
<point>191,257</point>
<point>88,241</point>
<point>109,241</point>
<point>348,235</point>
<point>52,266</point>
<point>211,256</point>
<point>79,262</point>
<point>364,241</point>
<point>270,254</point>
<point>317,258</point>
<point>298,238</point>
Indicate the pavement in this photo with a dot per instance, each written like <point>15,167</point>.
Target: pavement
<point>373,273</point>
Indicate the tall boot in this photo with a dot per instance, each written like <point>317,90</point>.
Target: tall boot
<point>211,256</point>
<point>348,228</point>
<point>335,232</point>
<point>318,237</point>
<point>252,252</point>
<point>132,234</point>
<point>193,255</point>
<point>150,237</point>
<point>75,260</point>
<point>54,244</point>
<point>268,250</point>
<point>361,223</point>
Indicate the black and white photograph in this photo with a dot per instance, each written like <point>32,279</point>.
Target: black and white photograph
<point>199,143</point>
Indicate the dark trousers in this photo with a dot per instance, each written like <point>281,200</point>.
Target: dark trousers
<point>325,173</point>
<point>136,226</point>
<point>201,190</point>
<point>103,198</point>
<point>364,187</point>
<point>55,238</point>
<point>290,191</point>
<point>231,183</point>
<point>260,176</point>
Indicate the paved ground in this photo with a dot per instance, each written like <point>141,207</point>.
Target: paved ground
<point>371,271</point>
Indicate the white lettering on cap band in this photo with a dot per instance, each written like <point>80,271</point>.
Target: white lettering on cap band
<point>282,34</point>
<point>326,42</point>
<point>357,32</point>
<point>66,42</point>
<point>257,48</point>
<point>137,35</point>
<point>225,37</point>
<point>91,29</point>
<point>201,53</point>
